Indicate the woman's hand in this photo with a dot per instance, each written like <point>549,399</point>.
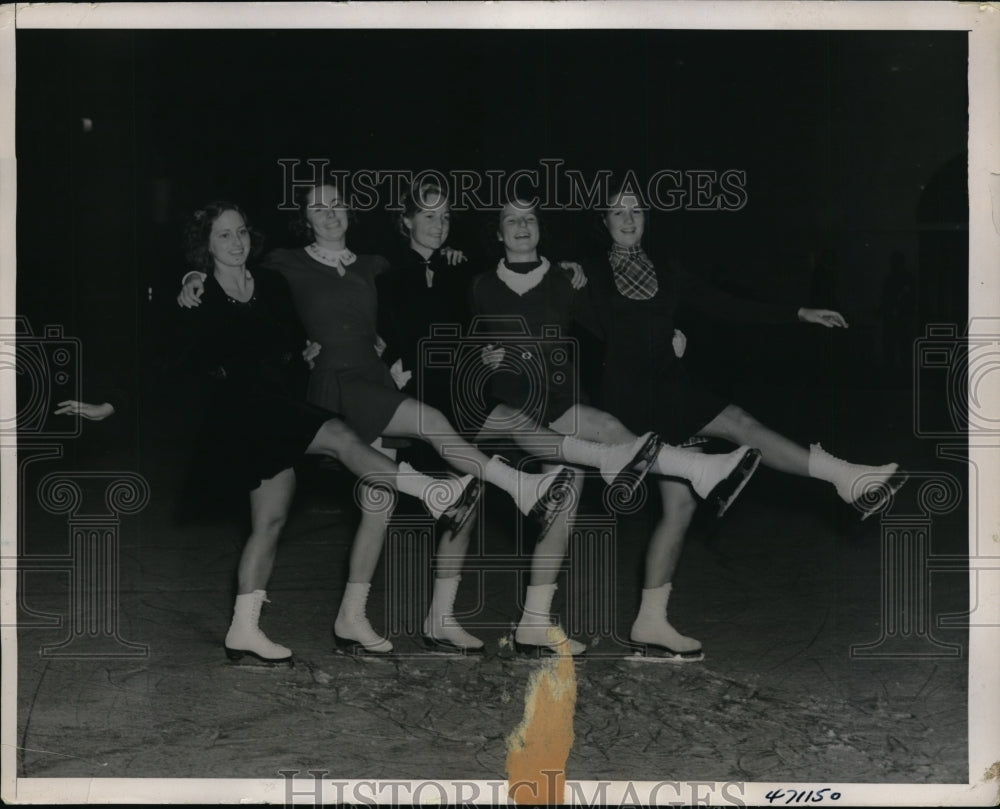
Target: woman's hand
<point>310,352</point>
<point>822,317</point>
<point>578,279</point>
<point>679,342</point>
<point>399,376</point>
<point>190,294</point>
<point>492,356</point>
<point>452,256</point>
<point>71,407</point>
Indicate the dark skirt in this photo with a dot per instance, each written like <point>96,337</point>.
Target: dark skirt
<point>668,403</point>
<point>262,433</point>
<point>366,397</point>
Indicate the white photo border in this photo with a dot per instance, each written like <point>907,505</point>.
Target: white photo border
<point>981,21</point>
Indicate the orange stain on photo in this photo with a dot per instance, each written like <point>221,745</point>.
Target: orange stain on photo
<point>538,747</point>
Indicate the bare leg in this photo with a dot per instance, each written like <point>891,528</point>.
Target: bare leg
<point>451,550</point>
<point>369,538</point>
<point>549,554</point>
<point>667,540</point>
<point>352,628</point>
<point>534,438</point>
<point>417,420</point>
<point>592,424</point>
<point>412,417</point>
<point>336,440</point>
<point>866,486</point>
<point>651,627</point>
<point>268,509</point>
<point>535,627</point>
<point>441,629</point>
<point>269,504</point>
<point>778,452</point>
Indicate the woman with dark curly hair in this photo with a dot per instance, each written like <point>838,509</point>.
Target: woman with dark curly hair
<point>334,293</point>
<point>246,336</point>
<point>645,385</point>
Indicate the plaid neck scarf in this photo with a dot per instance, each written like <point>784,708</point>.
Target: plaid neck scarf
<point>633,272</point>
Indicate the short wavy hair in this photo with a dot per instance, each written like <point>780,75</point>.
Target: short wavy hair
<point>412,199</point>
<point>298,223</point>
<point>598,223</point>
<point>493,222</point>
<point>199,229</point>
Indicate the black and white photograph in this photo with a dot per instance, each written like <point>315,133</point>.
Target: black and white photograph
<point>477,403</point>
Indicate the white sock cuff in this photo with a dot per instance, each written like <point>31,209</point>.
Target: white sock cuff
<point>410,481</point>
<point>655,598</point>
<point>818,462</point>
<point>357,591</point>
<point>538,598</point>
<point>580,451</point>
<point>502,475</point>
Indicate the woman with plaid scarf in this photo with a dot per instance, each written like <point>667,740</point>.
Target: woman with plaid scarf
<point>426,290</point>
<point>532,375</point>
<point>645,385</point>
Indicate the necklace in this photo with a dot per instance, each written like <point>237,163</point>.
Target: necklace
<point>234,298</point>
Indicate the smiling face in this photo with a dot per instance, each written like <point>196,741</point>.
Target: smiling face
<point>625,220</point>
<point>229,241</point>
<point>429,224</point>
<point>326,214</point>
<point>519,231</point>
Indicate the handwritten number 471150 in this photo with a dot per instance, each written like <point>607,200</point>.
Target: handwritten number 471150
<point>801,795</point>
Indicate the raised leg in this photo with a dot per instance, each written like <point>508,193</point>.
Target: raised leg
<point>871,486</point>
<point>533,494</point>
<point>776,451</point>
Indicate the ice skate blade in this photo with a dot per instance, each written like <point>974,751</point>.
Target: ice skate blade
<point>540,650</point>
<point>886,491</point>
<point>236,656</point>
<point>446,648</point>
<point>355,648</point>
<point>654,653</point>
<point>550,504</point>
<point>456,516</point>
<point>633,473</point>
<point>726,492</point>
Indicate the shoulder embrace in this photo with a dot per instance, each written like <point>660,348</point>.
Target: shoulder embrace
<point>379,264</point>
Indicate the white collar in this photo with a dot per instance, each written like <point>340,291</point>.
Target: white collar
<point>522,282</point>
<point>338,259</point>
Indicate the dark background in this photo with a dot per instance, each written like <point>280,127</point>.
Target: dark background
<point>854,148</point>
<point>853,144</point>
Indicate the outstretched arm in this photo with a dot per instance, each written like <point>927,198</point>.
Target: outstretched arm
<point>94,412</point>
<point>698,294</point>
<point>822,317</point>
